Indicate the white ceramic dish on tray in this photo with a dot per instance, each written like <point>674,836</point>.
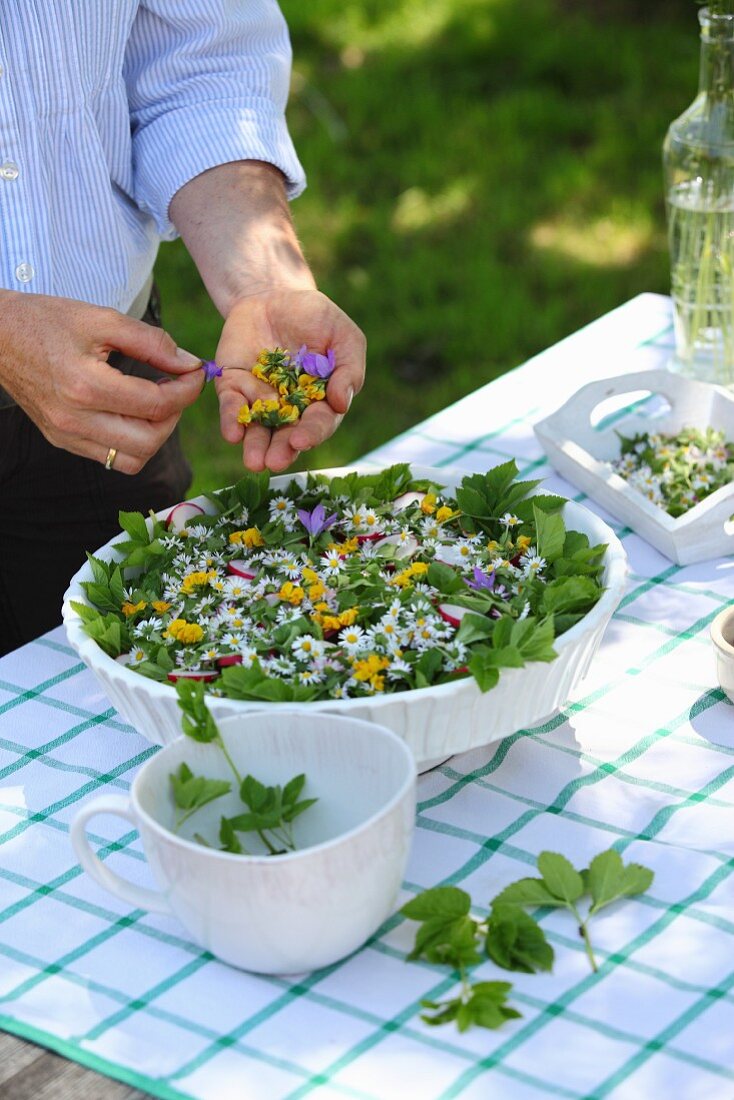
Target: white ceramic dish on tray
<point>436,722</point>
<point>581,453</point>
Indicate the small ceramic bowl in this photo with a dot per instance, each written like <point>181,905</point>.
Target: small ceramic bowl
<point>281,914</point>
<point>722,635</point>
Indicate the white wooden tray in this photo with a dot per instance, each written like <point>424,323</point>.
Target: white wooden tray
<point>580,451</point>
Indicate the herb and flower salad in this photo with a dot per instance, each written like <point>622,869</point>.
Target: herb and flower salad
<point>344,587</point>
<point>676,472</point>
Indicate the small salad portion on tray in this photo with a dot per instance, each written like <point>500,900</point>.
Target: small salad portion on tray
<point>344,587</point>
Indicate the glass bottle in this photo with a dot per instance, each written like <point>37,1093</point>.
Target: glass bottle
<point>698,161</point>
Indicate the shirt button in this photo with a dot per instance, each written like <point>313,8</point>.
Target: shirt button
<point>9,170</point>
<point>24,272</point>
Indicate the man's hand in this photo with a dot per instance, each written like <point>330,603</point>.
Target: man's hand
<point>286,318</point>
<point>234,220</point>
<point>53,362</point>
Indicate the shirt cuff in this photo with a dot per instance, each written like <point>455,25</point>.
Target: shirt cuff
<point>186,141</point>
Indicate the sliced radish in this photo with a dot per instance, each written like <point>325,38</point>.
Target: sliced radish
<point>404,548</point>
<point>180,516</point>
<point>230,659</point>
<point>372,537</point>
<point>406,499</point>
<point>123,659</point>
<point>452,613</point>
<point>241,568</point>
<point>194,674</point>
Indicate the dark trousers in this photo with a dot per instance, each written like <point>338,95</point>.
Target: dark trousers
<point>54,506</point>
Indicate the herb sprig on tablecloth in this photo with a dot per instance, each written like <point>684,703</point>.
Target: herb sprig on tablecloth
<point>346,587</point>
<point>450,936</point>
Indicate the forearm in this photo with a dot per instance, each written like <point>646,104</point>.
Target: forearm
<point>235,221</point>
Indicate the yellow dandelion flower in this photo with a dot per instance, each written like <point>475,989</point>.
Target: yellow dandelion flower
<point>182,631</point>
<point>196,580</point>
<point>291,593</point>
<point>129,609</point>
<point>428,504</point>
<point>160,606</point>
<point>244,416</point>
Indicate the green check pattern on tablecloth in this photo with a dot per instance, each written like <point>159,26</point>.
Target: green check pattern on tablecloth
<point>642,759</point>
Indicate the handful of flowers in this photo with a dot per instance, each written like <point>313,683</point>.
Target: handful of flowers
<point>675,472</point>
<point>345,587</point>
<point>297,380</point>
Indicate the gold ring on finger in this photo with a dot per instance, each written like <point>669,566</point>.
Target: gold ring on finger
<point>109,462</point>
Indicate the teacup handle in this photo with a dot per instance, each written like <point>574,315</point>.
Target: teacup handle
<point>119,805</point>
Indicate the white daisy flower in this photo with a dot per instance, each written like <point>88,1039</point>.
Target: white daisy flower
<point>237,589</point>
<point>280,507</point>
<point>307,648</point>
<point>352,638</point>
<point>310,676</point>
<point>331,563</point>
<point>509,520</point>
<point>533,563</point>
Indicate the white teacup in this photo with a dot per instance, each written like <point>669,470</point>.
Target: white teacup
<point>280,914</point>
<point>722,635</point>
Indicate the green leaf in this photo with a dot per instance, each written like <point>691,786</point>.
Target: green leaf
<point>527,891</point>
<point>473,503</point>
<point>561,878</point>
<point>251,489</point>
<point>637,879</point>
<point>537,643</point>
<point>473,627</point>
<point>100,569</point>
<point>100,596</point>
<point>290,813</point>
<point>485,1006</point>
<point>191,792</point>
<point>551,534</point>
<point>574,593</point>
<point>498,480</point>
<point>86,613</point>
<point>444,1012</point>
<point>292,789</point>
<point>443,578</point>
<point>484,672</point>
<point>517,942</point>
<point>135,525</point>
<point>446,902</point>
<point>448,943</point>
<point>254,793</point>
<point>228,838</point>
<point>609,879</point>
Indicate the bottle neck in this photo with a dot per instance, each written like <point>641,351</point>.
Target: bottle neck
<point>717,56</point>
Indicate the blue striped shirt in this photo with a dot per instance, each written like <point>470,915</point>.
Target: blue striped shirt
<point>107,108</point>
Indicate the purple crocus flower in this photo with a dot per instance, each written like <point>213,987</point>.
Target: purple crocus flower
<point>315,522</point>
<point>211,370</point>
<point>319,366</point>
<point>482,580</point>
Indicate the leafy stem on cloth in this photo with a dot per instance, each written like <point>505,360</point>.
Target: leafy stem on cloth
<point>450,936</point>
<point>270,811</point>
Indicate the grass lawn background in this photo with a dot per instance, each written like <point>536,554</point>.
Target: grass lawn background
<point>484,178</point>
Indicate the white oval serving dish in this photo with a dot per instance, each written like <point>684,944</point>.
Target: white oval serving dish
<point>436,722</point>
